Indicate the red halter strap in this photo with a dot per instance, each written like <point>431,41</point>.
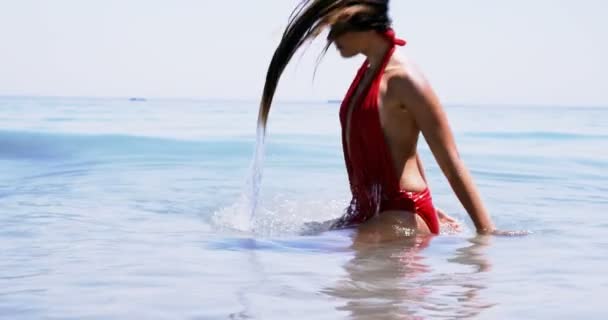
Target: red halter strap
<point>390,34</point>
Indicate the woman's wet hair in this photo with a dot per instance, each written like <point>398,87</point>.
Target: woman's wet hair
<point>307,21</point>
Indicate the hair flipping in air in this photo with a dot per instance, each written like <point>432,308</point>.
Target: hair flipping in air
<point>306,22</point>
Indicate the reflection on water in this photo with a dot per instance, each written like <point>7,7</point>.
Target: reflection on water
<point>394,281</point>
<point>258,273</point>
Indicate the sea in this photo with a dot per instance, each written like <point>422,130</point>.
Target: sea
<point>119,208</point>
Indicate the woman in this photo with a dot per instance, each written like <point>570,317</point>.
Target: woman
<point>386,108</point>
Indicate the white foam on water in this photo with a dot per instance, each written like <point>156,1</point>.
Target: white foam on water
<point>280,216</point>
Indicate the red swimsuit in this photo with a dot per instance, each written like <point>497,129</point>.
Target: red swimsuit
<point>374,183</point>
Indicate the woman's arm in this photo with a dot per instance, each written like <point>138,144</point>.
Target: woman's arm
<point>418,97</point>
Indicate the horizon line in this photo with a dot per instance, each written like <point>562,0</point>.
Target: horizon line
<point>136,98</point>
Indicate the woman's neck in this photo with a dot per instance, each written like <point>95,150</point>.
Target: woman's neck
<point>377,47</point>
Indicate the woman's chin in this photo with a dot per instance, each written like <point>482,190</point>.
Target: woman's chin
<point>347,54</point>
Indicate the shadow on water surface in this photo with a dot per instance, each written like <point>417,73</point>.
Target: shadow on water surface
<point>395,281</point>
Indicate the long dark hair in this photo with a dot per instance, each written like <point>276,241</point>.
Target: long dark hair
<point>307,21</point>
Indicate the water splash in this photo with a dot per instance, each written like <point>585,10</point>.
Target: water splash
<point>255,178</point>
<point>281,215</point>
<point>241,214</point>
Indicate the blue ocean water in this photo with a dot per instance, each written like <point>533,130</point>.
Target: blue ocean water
<point>118,209</point>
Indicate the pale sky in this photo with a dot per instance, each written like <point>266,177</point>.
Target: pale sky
<point>549,52</point>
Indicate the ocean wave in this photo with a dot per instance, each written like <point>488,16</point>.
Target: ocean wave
<point>40,145</point>
<point>57,146</point>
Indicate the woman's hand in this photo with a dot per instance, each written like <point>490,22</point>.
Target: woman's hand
<point>453,225</point>
<point>444,219</point>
